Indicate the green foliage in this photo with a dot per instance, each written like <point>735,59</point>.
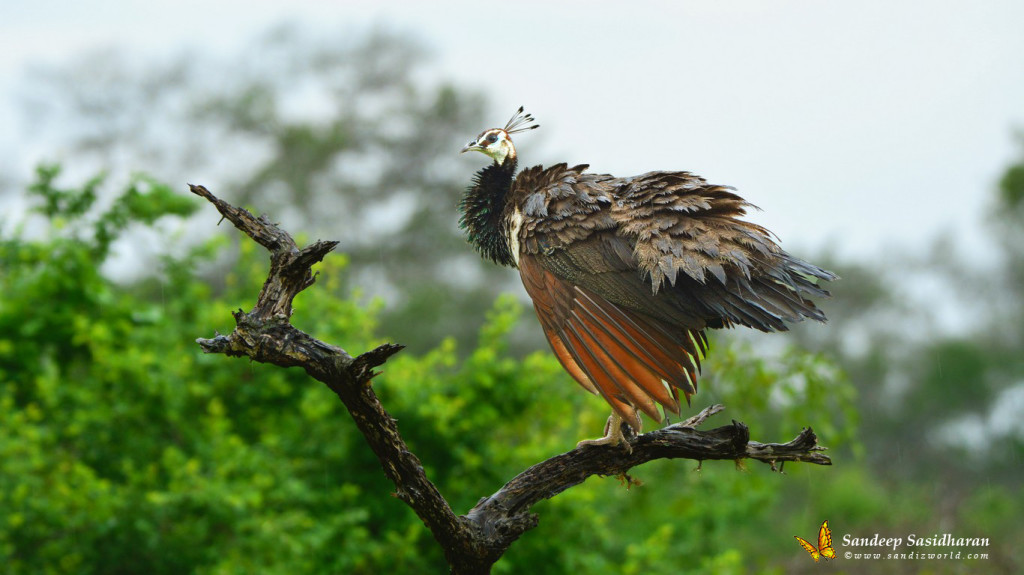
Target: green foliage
<point>144,201</point>
<point>793,386</point>
<point>125,450</point>
<point>1011,187</point>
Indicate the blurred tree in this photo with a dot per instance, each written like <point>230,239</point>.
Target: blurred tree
<point>342,137</point>
<point>1008,218</point>
<point>937,402</point>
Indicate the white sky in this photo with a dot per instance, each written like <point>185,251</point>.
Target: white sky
<point>869,126</point>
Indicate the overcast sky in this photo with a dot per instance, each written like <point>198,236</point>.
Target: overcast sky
<point>869,126</point>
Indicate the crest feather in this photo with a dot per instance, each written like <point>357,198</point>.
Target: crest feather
<point>517,123</point>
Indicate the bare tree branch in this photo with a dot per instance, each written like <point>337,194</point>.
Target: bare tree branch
<point>472,542</point>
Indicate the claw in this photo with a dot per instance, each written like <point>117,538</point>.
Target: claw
<point>613,434</point>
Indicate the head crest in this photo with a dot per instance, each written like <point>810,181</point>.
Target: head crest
<point>517,122</point>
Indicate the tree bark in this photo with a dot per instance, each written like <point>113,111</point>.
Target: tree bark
<point>473,542</point>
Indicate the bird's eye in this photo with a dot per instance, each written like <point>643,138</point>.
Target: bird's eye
<point>491,138</point>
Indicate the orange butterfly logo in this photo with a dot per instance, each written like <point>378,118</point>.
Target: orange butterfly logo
<point>824,548</point>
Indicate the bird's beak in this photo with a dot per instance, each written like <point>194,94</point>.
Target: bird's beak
<point>470,147</point>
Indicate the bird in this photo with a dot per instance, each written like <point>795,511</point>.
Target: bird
<point>627,274</point>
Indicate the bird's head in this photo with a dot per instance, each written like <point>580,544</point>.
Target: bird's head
<point>496,143</point>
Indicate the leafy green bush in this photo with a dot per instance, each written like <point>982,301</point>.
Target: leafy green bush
<point>125,450</point>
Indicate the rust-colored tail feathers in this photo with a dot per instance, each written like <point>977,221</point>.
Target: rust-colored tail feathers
<point>632,361</point>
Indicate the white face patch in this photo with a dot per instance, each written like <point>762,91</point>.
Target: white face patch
<point>515,224</point>
<point>500,148</point>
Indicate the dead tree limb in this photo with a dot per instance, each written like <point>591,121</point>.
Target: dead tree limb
<point>472,542</point>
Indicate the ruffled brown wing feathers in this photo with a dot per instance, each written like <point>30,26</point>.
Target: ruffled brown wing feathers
<point>626,273</point>
<point>688,235</point>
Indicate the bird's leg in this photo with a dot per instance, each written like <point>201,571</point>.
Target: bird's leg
<point>612,434</point>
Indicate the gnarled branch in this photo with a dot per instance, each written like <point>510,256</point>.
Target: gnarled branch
<point>472,542</point>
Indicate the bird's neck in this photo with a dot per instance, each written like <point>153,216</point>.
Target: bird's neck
<point>482,208</point>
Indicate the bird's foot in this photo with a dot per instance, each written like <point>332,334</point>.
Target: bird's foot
<point>613,434</point>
